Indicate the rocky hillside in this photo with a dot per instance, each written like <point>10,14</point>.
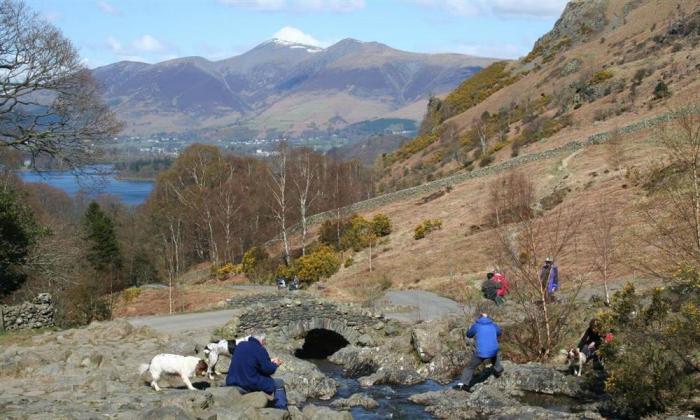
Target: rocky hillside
<point>605,63</point>
<point>281,85</point>
<point>551,117</point>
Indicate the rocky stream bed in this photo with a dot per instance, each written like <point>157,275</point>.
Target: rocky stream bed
<point>389,370</point>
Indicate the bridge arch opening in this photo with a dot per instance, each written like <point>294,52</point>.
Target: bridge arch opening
<point>320,343</point>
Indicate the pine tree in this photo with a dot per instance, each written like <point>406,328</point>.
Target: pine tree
<point>18,233</point>
<point>103,252</point>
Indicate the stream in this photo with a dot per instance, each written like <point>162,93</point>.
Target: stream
<point>393,399</point>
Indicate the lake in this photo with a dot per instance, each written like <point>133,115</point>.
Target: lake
<point>95,181</point>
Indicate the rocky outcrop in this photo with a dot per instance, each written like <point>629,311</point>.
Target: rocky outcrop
<point>511,396</point>
<point>303,380</point>
<point>426,341</point>
<point>93,372</point>
<point>39,313</point>
<point>355,400</point>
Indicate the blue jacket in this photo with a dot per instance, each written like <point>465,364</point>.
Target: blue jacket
<point>486,333</point>
<point>251,368</point>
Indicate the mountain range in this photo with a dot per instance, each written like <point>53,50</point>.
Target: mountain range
<point>281,85</point>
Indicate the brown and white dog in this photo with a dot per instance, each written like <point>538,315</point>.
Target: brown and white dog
<point>576,360</point>
<point>173,364</point>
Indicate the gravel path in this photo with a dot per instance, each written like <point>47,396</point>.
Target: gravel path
<point>419,305</point>
<point>198,321</point>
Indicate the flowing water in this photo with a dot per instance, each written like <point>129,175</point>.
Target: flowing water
<point>393,399</point>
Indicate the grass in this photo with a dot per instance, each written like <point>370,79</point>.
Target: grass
<point>17,336</point>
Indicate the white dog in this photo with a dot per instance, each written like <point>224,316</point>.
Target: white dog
<point>216,348</point>
<point>576,360</point>
<point>172,364</point>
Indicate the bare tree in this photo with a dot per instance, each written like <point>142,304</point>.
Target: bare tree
<point>480,131</point>
<point>49,103</point>
<point>604,242</point>
<point>278,172</point>
<point>615,151</point>
<point>671,214</point>
<point>306,178</point>
<point>524,244</point>
<point>511,198</point>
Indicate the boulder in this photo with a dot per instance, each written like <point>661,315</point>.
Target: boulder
<point>303,380</point>
<point>355,400</point>
<point>312,412</point>
<point>539,378</point>
<point>426,341</point>
<point>446,365</point>
<point>165,413</point>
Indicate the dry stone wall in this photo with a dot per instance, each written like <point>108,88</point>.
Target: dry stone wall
<point>39,313</point>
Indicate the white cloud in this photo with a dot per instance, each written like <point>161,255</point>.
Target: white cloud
<point>491,50</point>
<point>115,45</point>
<point>340,6</point>
<point>502,8</point>
<point>148,43</point>
<point>145,48</point>
<point>108,8</point>
<point>297,36</point>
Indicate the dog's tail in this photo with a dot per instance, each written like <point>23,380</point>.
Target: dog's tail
<point>143,367</point>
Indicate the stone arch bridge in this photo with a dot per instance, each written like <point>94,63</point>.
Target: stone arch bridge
<point>293,316</point>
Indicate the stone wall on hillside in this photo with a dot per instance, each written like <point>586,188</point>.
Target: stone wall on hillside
<point>39,313</point>
<point>451,181</point>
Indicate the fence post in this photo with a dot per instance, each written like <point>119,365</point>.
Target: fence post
<point>2,318</point>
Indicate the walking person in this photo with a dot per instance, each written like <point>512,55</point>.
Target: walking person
<point>486,333</point>
<point>549,276</point>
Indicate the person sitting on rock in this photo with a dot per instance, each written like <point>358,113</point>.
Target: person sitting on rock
<point>490,288</point>
<point>592,339</point>
<point>486,333</point>
<point>501,279</point>
<point>252,369</point>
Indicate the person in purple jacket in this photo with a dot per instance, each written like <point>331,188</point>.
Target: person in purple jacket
<point>486,333</point>
<point>251,370</point>
<point>549,276</point>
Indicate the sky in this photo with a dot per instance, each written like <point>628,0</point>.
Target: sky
<point>107,31</point>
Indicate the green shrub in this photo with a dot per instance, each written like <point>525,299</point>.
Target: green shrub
<point>356,237</point>
<point>601,76</point>
<point>252,259</point>
<point>381,225</point>
<point>130,294</point>
<point>661,90</point>
<point>652,364</point>
<point>348,262</point>
<point>322,263</point>
<point>477,88</point>
<point>227,269</point>
<point>286,271</point>
<point>425,227</point>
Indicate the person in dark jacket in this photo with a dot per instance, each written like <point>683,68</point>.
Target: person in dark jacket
<point>486,333</point>
<point>591,340</point>
<point>489,288</point>
<point>252,369</point>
